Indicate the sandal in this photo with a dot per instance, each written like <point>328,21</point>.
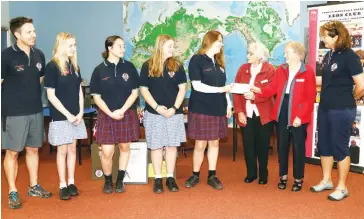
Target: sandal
<point>297,185</point>
<point>282,183</point>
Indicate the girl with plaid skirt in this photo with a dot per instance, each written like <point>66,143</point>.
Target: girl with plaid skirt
<point>209,105</point>
<point>63,83</point>
<point>114,87</point>
<point>163,86</point>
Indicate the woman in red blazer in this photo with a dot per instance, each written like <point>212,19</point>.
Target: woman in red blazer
<point>254,116</point>
<point>295,86</point>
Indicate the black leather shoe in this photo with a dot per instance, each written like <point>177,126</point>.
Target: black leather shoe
<point>158,186</point>
<point>108,187</point>
<point>72,189</point>
<point>64,194</point>
<point>263,181</point>
<point>192,181</point>
<point>171,184</point>
<point>249,179</point>
<point>214,182</point>
<point>119,186</point>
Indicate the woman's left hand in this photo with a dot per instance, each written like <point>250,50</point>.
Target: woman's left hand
<point>297,122</point>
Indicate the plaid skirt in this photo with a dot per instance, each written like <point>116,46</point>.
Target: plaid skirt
<point>110,131</point>
<point>64,132</point>
<point>161,131</point>
<point>205,127</point>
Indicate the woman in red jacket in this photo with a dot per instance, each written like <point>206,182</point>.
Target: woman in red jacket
<point>254,116</point>
<point>295,86</point>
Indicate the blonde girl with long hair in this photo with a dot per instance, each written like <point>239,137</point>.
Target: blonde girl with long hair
<point>63,84</point>
<point>163,86</point>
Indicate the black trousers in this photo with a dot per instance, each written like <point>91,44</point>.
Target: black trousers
<point>285,135</point>
<point>256,139</point>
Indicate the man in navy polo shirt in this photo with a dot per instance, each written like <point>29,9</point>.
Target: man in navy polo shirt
<point>22,71</point>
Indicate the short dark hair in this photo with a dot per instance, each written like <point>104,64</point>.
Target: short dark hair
<point>18,22</point>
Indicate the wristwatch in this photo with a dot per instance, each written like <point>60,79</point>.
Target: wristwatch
<point>175,108</point>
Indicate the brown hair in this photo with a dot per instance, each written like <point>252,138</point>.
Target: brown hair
<point>17,23</point>
<point>336,28</point>
<point>109,42</point>
<point>156,66</point>
<point>210,38</point>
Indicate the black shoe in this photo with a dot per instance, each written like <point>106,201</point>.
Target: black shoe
<point>119,186</point>
<point>108,188</point>
<point>297,185</point>
<point>214,182</point>
<point>263,181</point>
<point>249,179</point>
<point>14,200</point>
<point>158,186</point>
<point>72,189</point>
<point>64,194</point>
<point>171,184</point>
<point>192,181</point>
<point>282,183</point>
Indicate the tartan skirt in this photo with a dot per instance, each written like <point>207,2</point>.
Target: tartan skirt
<point>205,127</point>
<point>111,131</point>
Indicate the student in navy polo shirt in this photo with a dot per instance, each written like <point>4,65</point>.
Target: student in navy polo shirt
<point>209,105</point>
<point>295,86</point>
<point>163,86</point>
<point>114,87</point>
<point>63,83</point>
<point>22,71</point>
<point>337,109</point>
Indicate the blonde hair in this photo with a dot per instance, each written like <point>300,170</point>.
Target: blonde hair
<point>210,38</point>
<point>298,48</point>
<point>59,53</point>
<point>156,66</point>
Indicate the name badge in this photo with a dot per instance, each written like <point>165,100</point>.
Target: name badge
<point>264,81</point>
<point>300,80</point>
<point>333,67</point>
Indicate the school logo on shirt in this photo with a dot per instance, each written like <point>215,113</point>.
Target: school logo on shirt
<point>125,76</point>
<point>333,67</point>
<point>223,70</point>
<point>105,78</point>
<point>39,66</point>
<point>171,74</point>
<point>19,67</point>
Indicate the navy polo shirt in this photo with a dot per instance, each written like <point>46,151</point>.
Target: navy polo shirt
<point>337,79</point>
<point>202,68</point>
<point>114,82</point>
<point>21,90</point>
<point>67,89</point>
<point>164,89</point>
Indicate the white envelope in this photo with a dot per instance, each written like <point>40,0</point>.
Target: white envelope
<point>239,88</point>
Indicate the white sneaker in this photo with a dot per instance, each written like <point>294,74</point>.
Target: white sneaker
<point>338,195</point>
<point>322,186</point>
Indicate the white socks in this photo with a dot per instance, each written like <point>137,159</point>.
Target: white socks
<point>71,181</point>
<point>170,175</point>
<point>64,184</point>
<point>158,176</point>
